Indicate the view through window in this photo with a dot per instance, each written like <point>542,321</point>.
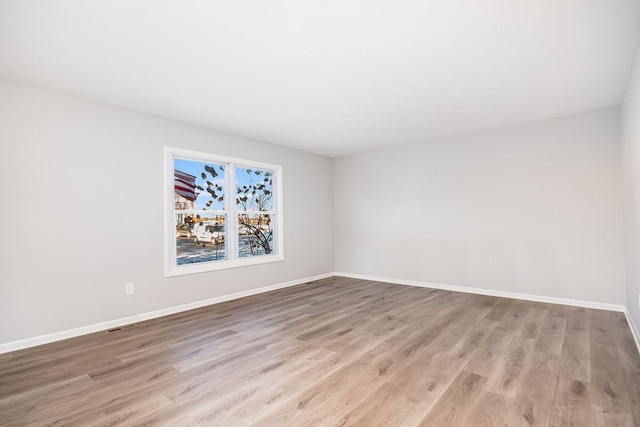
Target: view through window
<point>225,212</point>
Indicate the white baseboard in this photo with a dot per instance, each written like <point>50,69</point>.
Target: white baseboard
<point>71,333</point>
<point>634,329</point>
<point>97,327</point>
<point>490,292</point>
<point>514,295</point>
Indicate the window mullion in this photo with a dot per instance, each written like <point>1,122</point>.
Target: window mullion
<point>232,217</point>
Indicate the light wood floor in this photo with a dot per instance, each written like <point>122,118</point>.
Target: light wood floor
<point>338,352</point>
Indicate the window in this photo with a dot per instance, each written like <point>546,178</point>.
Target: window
<point>222,212</point>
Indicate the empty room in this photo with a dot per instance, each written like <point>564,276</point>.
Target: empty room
<point>245,213</point>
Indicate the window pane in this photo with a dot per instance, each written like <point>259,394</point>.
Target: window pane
<point>254,189</point>
<point>198,185</point>
<point>200,238</point>
<point>224,212</point>
<point>255,235</point>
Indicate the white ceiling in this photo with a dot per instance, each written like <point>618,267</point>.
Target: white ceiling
<point>330,77</point>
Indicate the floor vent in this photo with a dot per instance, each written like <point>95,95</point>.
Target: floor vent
<point>121,328</point>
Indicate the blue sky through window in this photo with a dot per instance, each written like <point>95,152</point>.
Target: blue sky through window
<point>206,199</point>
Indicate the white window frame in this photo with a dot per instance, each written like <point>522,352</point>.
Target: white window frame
<point>230,209</point>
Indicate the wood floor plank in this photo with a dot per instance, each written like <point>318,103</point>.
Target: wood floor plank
<point>518,314</point>
<point>601,330</point>
<point>572,404</point>
<point>456,404</point>
<point>338,351</point>
<point>554,325</point>
<point>486,359</point>
<point>575,357</point>
<point>557,310</point>
<point>258,384</point>
<point>133,415</point>
<point>632,379</point>
<point>601,418</point>
<point>327,399</point>
<point>499,310</point>
<point>535,322</point>
<point>578,319</point>
<point>475,337</point>
<point>608,387</point>
<point>507,376</point>
<point>627,350</point>
<point>388,406</point>
<point>426,378</point>
<point>488,410</point>
<point>534,401</point>
<point>277,393</point>
<point>550,344</point>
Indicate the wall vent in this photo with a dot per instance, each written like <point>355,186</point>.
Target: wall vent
<point>121,328</point>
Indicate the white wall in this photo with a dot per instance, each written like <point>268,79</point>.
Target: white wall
<point>630,112</point>
<point>533,209</point>
<point>81,185</point>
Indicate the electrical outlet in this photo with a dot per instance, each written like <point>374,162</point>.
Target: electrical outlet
<point>128,288</point>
